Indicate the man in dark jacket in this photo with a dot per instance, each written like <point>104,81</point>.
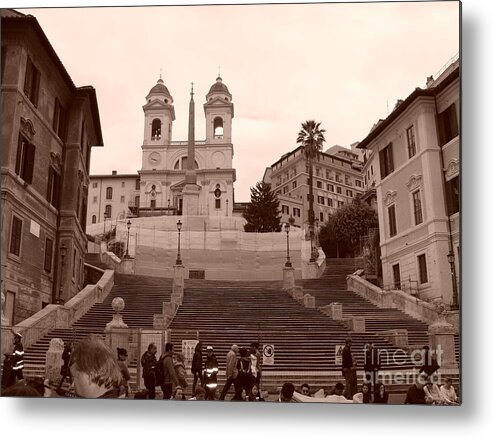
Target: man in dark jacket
<point>148,362</point>
<point>372,364</point>
<point>416,394</point>
<point>169,374</point>
<point>347,370</point>
<point>210,374</point>
<point>197,367</point>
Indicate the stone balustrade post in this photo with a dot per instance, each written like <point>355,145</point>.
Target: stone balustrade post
<point>309,301</point>
<point>54,361</point>
<point>178,279</point>
<point>335,311</point>
<point>358,324</point>
<point>442,344</point>
<point>288,278</point>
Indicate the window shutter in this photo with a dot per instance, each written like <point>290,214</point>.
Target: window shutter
<point>390,158</point>
<point>381,155</point>
<point>48,254</point>
<point>49,189</point>
<point>454,126</point>
<point>441,128</point>
<point>18,160</point>
<point>56,190</point>
<point>35,87</point>
<point>28,79</point>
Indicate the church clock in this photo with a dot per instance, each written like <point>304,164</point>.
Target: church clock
<point>154,158</point>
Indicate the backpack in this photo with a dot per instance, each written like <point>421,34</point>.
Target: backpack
<point>159,371</point>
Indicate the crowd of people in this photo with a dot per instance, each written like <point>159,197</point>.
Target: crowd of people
<point>93,370</point>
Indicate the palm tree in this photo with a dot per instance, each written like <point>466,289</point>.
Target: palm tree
<point>311,137</point>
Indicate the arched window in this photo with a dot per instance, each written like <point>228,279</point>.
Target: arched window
<point>218,128</point>
<point>107,211</point>
<point>93,219</point>
<point>156,129</point>
<point>109,193</point>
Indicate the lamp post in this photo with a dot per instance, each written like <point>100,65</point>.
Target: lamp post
<point>129,223</point>
<point>178,258</point>
<point>63,253</point>
<point>104,225</point>
<point>287,227</point>
<point>455,299</point>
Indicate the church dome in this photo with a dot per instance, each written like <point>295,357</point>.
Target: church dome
<point>160,88</point>
<point>219,87</point>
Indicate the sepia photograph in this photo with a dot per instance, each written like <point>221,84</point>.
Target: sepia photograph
<point>246,203</point>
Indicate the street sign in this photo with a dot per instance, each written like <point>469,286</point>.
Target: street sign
<point>338,354</point>
<point>268,353</point>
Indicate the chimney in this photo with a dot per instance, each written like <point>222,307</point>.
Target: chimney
<point>113,172</point>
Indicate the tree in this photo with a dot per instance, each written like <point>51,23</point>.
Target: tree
<point>311,137</point>
<point>262,214</point>
<point>348,224</point>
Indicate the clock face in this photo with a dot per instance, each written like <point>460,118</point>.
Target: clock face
<point>154,158</point>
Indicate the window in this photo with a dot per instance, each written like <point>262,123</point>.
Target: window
<point>411,141</point>
<point>348,181</point>
<point>59,119</point>
<point>397,276</point>
<point>349,193</point>
<point>338,178</point>
<point>423,272</point>
<point>122,199</point>
<point>285,209</point>
<point>317,171</point>
<point>294,184</point>
<point>453,196</point>
<point>218,203</point>
<point>15,236</point>
<point>153,203</point>
<point>308,181</point>
<point>386,161</point>
<point>358,183</point>
<point>321,200</point>
<point>95,185</point>
<point>137,201</point>
<point>285,189</point>
<point>296,212</point>
<point>93,219</point>
<point>330,187</point>
<point>327,174</point>
<point>53,188</point>
<point>95,199</point>
<point>74,270</point>
<point>392,222</point>
<point>48,255</point>
<point>218,128</point>
<point>24,164</point>
<point>371,170</point>
<point>156,129</point>
<point>123,184</point>
<point>109,193</point>
<point>330,202</point>
<point>448,127</point>
<point>31,82</point>
<point>340,203</point>
<point>4,57</point>
<point>319,184</point>
<point>339,190</point>
<point>107,211</point>
<point>418,212</point>
<point>321,216</point>
<point>137,184</point>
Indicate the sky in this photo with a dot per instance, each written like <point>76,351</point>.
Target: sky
<point>344,65</point>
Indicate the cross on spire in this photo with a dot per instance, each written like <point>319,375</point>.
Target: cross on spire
<point>191,92</point>
<point>219,70</point>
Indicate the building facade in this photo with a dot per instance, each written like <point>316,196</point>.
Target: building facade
<point>413,174</point>
<point>337,179</point>
<point>48,129</point>
<point>114,197</point>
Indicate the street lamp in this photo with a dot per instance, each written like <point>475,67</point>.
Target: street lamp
<point>104,225</point>
<point>63,253</point>
<point>178,258</point>
<point>129,223</point>
<point>455,300</point>
<point>288,260</point>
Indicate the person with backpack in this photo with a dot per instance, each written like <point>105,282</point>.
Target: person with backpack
<point>245,379</point>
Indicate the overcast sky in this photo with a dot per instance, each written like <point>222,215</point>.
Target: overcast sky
<point>336,63</point>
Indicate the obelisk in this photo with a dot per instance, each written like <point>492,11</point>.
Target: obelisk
<point>191,191</point>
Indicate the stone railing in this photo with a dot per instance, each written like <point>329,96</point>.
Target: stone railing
<point>411,305</point>
<point>125,265</point>
<point>62,316</point>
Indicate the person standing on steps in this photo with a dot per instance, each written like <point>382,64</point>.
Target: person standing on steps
<point>65,370</point>
<point>148,362</point>
<point>197,367</point>
<point>348,370</point>
<point>231,370</point>
<point>122,364</point>
<point>372,364</point>
<point>18,358</point>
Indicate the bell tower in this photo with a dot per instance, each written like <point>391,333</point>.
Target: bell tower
<point>219,113</point>
<point>159,114</point>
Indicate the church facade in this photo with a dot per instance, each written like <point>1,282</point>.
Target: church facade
<point>162,184</point>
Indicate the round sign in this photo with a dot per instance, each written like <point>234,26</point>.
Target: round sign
<point>268,350</point>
